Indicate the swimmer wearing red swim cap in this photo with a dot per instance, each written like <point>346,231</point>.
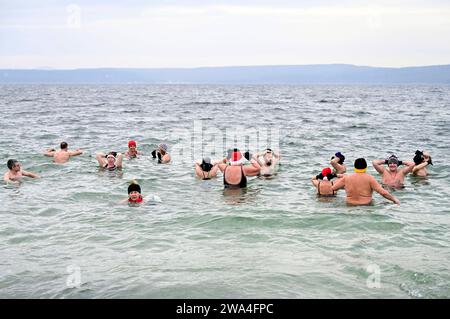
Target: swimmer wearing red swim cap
<point>323,182</point>
<point>132,151</point>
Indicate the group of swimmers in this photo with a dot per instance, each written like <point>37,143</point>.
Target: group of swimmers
<point>111,161</point>
<point>359,186</point>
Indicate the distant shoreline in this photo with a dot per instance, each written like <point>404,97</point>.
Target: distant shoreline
<point>329,74</point>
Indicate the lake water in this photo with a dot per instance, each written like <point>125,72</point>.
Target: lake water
<point>65,236</point>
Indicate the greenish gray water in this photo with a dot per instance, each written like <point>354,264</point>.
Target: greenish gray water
<point>274,240</point>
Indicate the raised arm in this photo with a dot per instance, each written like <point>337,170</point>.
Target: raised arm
<point>75,153</point>
<point>252,170</point>
<point>380,190</point>
<point>338,167</point>
<point>409,167</point>
<point>29,174</point>
<point>50,152</point>
<point>377,164</point>
<point>340,183</point>
<point>277,157</point>
<point>165,159</point>
<point>214,169</point>
<point>419,167</point>
<point>119,160</point>
<point>223,164</point>
<point>101,159</point>
<point>314,181</point>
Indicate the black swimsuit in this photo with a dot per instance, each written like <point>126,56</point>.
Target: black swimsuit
<point>206,177</point>
<point>242,183</point>
<point>110,168</point>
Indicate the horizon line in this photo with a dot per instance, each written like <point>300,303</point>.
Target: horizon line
<point>44,68</point>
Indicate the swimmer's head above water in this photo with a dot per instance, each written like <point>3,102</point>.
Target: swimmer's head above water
<point>340,156</point>
<point>64,145</point>
<point>235,157</point>
<point>326,174</point>
<point>13,165</point>
<point>268,156</point>
<point>163,148</point>
<point>422,156</point>
<point>132,145</point>
<point>393,162</point>
<point>206,164</point>
<point>134,193</point>
<point>360,165</point>
<point>111,158</point>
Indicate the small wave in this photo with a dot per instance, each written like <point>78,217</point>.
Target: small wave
<point>209,103</point>
<point>327,101</point>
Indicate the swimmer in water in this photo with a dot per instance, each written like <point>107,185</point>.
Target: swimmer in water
<point>134,195</point>
<point>15,173</point>
<point>392,176</point>
<point>268,160</point>
<point>421,161</point>
<point>359,186</point>
<point>323,182</point>
<point>63,155</point>
<point>234,172</point>
<point>337,161</point>
<point>161,153</point>
<point>205,169</point>
<point>110,162</point>
<point>132,151</point>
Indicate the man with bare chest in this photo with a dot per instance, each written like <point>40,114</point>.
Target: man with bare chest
<point>15,173</point>
<point>393,176</point>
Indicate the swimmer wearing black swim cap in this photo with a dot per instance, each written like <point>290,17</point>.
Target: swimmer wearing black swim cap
<point>206,169</point>
<point>337,161</point>
<point>134,195</point>
<point>422,160</point>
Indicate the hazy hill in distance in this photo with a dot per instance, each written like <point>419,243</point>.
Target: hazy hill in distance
<point>282,74</point>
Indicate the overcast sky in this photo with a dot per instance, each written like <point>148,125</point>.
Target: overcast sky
<point>97,33</point>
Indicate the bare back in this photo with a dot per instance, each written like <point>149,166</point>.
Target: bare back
<point>61,157</point>
<point>234,174</point>
<point>324,188</point>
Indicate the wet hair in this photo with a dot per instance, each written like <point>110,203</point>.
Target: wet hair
<point>418,158</point>
<point>63,145</point>
<point>11,163</point>
<point>134,187</point>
